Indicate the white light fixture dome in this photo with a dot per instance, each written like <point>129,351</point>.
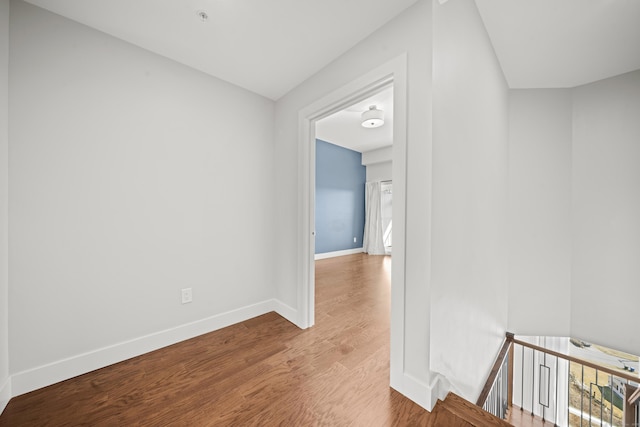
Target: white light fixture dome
<point>372,118</point>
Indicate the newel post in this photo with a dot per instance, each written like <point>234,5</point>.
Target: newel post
<point>510,337</point>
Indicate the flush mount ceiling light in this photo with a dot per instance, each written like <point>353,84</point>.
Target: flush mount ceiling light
<point>372,118</point>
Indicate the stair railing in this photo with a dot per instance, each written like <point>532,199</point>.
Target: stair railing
<point>560,388</point>
<point>497,394</point>
<point>572,391</point>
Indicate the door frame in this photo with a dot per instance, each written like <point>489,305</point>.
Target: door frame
<point>393,73</point>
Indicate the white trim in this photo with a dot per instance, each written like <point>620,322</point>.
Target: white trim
<point>338,253</point>
<point>399,177</point>
<point>5,394</point>
<point>423,394</point>
<point>42,376</point>
<point>286,311</point>
<point>393,72</point>
<point>375,157</point>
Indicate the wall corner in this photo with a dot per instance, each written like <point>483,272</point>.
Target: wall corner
<point>5,394</point>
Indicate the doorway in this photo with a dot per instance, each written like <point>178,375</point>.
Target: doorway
<point>350,154</point>
<point>393,72</point>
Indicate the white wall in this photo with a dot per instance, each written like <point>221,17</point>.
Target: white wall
<point>408,33</point>
<point>380,172</point>
<point>5,389</point>
<point>131,177</point>
<point>574,209</point>
<point>469,246</point>
<point>379,164</point>
<point>605,292</point>
<point>540,211</point>
<point>380,155</point>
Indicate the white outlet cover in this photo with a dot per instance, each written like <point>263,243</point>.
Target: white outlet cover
<point>187,296</point>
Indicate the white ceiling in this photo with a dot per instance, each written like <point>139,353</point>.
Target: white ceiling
<point>563,43</point>
<point>267,47</point>
<point>539,43</point>
<point>344,127</point>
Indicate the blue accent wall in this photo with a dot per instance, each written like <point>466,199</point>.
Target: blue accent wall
<point>340,179</point>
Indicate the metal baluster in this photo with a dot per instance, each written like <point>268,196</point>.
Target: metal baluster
<point>590,401</point>
<point>568,391</point>
<point>506,385</point>
<point>522,381</point>
<point>499,401</point>
<point>555,412</point>
<point>533,377</point>
<point>581,394</point>
<point>601,399</point>
<point>544,361</point>
<point>499,398</point>
<point>637,423</point>
<point>500,391</point>
<point>493,402</point>
<point>498,395</point>
<point>496,392</point>
<point>498,386</point>
<point>611,401</point>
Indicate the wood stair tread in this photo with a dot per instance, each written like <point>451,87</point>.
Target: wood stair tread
<point>455,407</point>
<point>441,416</point>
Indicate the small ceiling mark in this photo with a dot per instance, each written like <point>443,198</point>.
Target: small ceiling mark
<point>202,16</point>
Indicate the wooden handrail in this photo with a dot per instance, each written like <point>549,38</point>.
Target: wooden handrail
<point>494,371</point>
<point>626,376</point>
<point>507,348</point>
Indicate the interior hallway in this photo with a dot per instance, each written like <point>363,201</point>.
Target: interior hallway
<point>264,371</point>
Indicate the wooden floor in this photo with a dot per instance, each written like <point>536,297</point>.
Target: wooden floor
<point>264,371</point>
<point>454,411</point>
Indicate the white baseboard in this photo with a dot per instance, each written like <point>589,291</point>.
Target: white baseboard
<point>42,376</point>
<point>338,253</point>
<point>421,393</point>
<point>286,311</point>
<point>5,394</point>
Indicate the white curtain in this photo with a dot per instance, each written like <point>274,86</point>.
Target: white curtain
<point>373,241</point>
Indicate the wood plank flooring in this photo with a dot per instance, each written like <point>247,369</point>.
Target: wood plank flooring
<point>456,411</point>
<point>262,372</point>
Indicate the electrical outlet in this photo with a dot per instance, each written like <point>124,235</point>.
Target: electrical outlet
<point>187,296</point>
<point>355,240</point>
